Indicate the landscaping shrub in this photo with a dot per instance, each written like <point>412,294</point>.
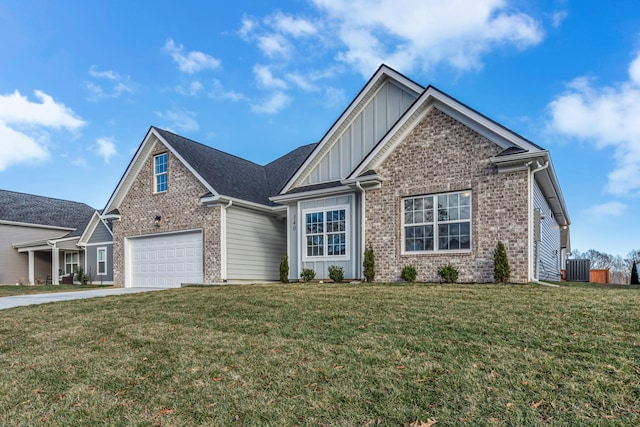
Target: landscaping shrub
<point>501,269</point>
<point>369,264</point>
<point>634,274</point>
<point>307,274</point>
<point>336,273</point>
<point>408,273</point>
<point>448,273</point>
<point>284,269</point>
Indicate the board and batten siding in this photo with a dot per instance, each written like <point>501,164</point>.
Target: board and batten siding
<point>256,243</point>
<point>297,242</point>
<point>548,260</point>
<point>360,136</point>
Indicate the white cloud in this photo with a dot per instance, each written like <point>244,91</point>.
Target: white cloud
<point>106,148</point>
<point>302,82</point>
<point>274,45</point>
<point>272,105</point>
<point>558,18</point>
<point>25,125</point>
<point>266,79</point>
<point>605,211</point>
<point>219,92</point>
<point>424,33</point>
<point>192,89</point>
<point>80,162</point>
<point>17,109</point>
<point>180,121</point>
<point>19,148</point>
<point>190,62</point>
<point>120,84</point>
<point>608,116</point>
<point>297,27</point>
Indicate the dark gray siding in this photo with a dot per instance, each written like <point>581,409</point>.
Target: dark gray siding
<point>91,254</point>
<point>101,234</point>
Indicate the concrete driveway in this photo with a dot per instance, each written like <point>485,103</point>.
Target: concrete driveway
<point>20,300</point>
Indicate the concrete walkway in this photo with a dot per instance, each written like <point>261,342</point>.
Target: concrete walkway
<point>21,300</point>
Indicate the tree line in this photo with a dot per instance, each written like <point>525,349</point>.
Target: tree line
<point>619,267</point>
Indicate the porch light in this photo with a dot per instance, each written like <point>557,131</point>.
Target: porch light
<point>156,221</point>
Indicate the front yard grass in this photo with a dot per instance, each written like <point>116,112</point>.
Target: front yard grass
<point>325,354</point>
<point>10,290</point>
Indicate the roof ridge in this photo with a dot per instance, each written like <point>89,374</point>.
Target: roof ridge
<point>207,146</point>
<point>47,197</point>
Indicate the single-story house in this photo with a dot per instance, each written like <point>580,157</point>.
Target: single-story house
<point>43,239</point>
<point>410,171</point>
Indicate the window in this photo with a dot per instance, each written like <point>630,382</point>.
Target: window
<point>326,232</point>
<point>71,262</point>
<point>102,261</point>
<point>160,172</point>
<point>437,222</point>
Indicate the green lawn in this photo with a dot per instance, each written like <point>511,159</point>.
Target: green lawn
<point>9,290</point>
<point>320,354</point>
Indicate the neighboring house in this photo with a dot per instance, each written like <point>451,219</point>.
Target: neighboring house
<point>415,174</point>
<point>42,239</point>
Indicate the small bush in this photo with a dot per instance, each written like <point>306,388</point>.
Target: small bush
<point>307,274</point>
<point>634,274</point>
<point>81,277</point>
<point>408,273</point>
<point>448,273</point>
<point>336,273</point>
<point>369,264</point>
<point>284,269</point>
<point>501,269</point>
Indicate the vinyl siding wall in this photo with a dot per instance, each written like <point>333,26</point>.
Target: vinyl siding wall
<point>15,265</point>
<point>359,137</point>
<point>256,243</point>
<point>91,256</point>
<point>548,259</point>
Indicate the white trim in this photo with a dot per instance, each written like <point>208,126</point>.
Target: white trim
<point>311,194</point>
<point>70,252</point>
<point>156,175</point>
<point>210,201</point>
<point>91,227</point>
<point>99,244</point>
<point>223,240</point>
<point>106,261</point>
<point>347,234</point>
<point>436,250</point>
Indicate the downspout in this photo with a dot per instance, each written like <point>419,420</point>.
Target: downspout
<point>534,266</point>
<point>362,225</point>
<point>223,241</point>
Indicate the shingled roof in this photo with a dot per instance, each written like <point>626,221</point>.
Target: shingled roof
<point>40,210</point>
<point>233,176</point>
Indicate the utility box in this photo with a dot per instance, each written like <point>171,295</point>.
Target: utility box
<point>578,270</point>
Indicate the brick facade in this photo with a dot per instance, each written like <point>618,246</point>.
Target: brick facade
<point>442,155</point>
<point>179,207</point>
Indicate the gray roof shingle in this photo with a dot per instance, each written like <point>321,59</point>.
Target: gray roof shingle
<point>40,210</point>
<point>233,176</point>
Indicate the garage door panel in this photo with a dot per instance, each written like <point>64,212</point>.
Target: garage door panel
<point>165,260</point>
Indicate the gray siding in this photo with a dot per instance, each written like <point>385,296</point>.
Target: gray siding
<point>255,245</point>
<point>91,254</point>
<point>15,265</point>
<point>360,136</point>
<point>297,244</point>
<point>548,260</point>
<point>101,234</point>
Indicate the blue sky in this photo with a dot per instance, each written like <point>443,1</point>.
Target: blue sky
<point>82,81</point>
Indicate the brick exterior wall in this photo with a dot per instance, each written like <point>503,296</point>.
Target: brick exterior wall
<point>179,207</point>
<point>442,155</point>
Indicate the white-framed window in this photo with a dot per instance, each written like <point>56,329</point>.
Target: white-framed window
<point>435,223</point>
<point>102,261</point>
<point>326,233</point>
<point>71,262</point>
<point>160,172</point>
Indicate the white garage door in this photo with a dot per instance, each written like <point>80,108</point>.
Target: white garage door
<point>165,261</point>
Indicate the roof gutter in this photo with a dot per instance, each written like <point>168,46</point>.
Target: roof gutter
<point>225,201</point>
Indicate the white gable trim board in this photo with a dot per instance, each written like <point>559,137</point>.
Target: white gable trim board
<point>165,260</point>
